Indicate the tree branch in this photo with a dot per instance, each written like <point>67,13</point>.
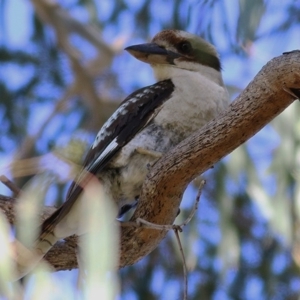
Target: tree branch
<point>274,88</point>
<point>263,99</point>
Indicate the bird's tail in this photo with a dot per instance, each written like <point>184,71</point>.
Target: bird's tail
<point>27,259</point>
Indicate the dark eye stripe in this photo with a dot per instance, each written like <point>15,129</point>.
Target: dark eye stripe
<point>185,47</point>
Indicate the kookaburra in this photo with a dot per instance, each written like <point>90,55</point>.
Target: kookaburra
<point>189,92</point>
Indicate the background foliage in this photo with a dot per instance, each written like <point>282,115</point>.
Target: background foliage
<point>63,72</point>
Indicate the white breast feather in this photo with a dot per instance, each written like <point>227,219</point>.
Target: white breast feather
<point>199,94</point>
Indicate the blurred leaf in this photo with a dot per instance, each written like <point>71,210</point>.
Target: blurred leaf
<point>250,16</point>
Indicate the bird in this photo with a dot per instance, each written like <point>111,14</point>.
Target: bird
<point>189,93</point>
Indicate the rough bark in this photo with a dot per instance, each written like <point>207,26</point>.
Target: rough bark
<point>263,99</point>
<point>274,88</point>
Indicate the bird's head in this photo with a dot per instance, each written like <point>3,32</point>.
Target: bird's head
<point>178,49</point>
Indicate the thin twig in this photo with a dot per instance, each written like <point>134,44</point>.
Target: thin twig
<point>192,213</point>
<point>185,289</point>
<point>11,185</point>
<point>176,229</point>
<point>144,223</point>
<point>129,224</point>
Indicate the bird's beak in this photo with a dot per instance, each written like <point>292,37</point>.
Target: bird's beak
<point>152,53</point>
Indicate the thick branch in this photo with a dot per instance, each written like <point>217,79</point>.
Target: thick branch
<point>264,98</point>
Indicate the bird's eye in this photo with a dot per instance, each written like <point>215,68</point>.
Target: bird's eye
<point>184,47</point>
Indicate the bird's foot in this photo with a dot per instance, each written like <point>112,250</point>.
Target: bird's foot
<point>152,153</point>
